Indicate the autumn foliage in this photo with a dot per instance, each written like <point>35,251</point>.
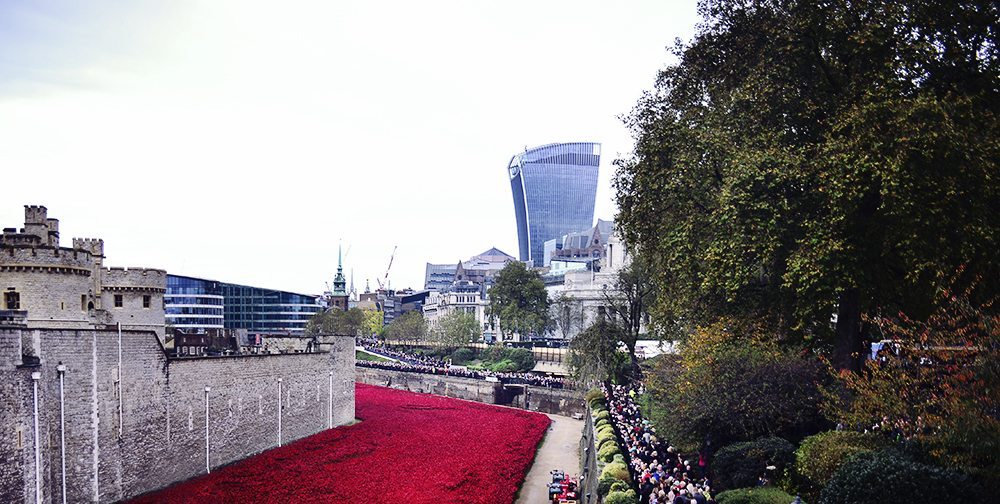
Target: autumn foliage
<point>935,382</point>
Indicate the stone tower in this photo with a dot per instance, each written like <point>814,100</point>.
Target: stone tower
<point>338,298</point>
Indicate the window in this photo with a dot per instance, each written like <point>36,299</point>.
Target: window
<point>118,301</point>
<point>145,301</point>
<point>12,300</point>
<point>83,302</point>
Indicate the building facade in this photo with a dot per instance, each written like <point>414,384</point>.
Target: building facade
<point>200,305</point>
<point>69,287</point>
<point>554,188</point>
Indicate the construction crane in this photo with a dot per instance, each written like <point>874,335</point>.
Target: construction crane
<point>381,286</point>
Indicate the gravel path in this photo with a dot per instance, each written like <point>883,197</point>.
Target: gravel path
<point>559,450</point>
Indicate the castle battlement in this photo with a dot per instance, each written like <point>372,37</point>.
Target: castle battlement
<point>93,245</point>
<point>16,257</point>
<point>144,279</point>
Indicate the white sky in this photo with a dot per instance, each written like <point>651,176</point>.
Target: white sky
<point>240,140</point>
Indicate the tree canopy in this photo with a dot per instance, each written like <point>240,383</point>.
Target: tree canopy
<point>518,301</point>
<point>409,326</point>
<point>804,160</point>
<point>457,328</point>
<point>336,321</point>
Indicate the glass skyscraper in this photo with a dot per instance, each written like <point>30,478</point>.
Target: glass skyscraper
<point>554,189</point>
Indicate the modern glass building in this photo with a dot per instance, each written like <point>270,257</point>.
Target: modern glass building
<point>554,188</point>
<point>193,304</point>
<point>197,304</point>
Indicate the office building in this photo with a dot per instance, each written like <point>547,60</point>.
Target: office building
<point>554,188</point>
<point>198,304</point>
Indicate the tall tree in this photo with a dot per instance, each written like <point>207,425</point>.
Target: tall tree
<point>409,326</point>
<point>568,315</point>
<point>807,159</point>
<point>518,301</point>
<point>629,301</point>
<point>336,321</point>
<point>457,328</point>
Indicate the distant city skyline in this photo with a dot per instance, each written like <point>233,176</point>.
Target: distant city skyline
<point>243,142</point>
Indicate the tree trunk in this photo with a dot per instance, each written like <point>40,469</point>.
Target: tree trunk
<point>848,352</point>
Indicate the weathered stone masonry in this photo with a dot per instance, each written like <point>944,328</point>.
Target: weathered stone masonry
<point>162,435</point>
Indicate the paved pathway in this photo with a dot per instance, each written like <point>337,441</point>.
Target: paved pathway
<point>559,450</point>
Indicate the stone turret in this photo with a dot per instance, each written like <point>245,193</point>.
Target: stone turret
<point>68,287</point>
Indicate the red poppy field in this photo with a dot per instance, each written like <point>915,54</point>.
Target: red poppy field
<point>408,448</point>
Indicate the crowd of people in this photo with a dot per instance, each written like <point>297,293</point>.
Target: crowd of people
<point>404,361</point>
<point>660,473</point>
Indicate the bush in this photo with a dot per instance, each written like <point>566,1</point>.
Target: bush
<point>522,358</point>
<point>462,355</point>
<point>607,452</point>
<point>620,486</point>
<point>593,394</point>
<point>504,366</point>
<point>604,484</point>
<point>741,464</point>
<point>819,456</point>
<point>627,497</point>
<point>759,495</point>
<point>619,458</point>
<point>618,470</point>
<point>888,477</point>
<point>747,388</point>
<point>603,415</point>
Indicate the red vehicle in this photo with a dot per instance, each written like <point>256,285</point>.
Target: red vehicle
<point>562,489</point>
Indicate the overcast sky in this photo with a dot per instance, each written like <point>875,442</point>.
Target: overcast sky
<point>241,141</point>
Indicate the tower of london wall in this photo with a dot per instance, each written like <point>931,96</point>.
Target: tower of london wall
<point>137,423</point>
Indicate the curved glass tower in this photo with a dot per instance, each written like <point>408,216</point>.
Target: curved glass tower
<point>554,189</point>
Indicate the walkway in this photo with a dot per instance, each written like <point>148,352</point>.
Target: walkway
<point>559,450</point>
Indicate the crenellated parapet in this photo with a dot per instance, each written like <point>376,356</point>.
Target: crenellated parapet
<point>135,279</point>
<point>46,259</point>
<point>95,246</point>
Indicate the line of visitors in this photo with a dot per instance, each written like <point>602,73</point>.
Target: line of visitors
<point>430,365</point>
<point>661,474</point>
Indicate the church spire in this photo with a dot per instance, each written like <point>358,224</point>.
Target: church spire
<point>339,282</point>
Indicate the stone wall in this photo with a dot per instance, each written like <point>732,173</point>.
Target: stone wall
<point>588,462</point>
<point>153,432</point>
<point>566,402</point>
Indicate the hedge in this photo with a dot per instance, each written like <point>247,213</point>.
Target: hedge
<point>887,477</point>
<point>602,415</point>
<point>592,394</point>
<point>607,452</point>
<point>739,465</point>
<point>618,470</point>
<point>819,456</point>
<point>627,497</point>
<point>604,484</point>
<point>759,495</point>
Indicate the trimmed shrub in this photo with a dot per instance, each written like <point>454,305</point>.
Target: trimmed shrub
<point>593,394</point>
<point>603,415</point>
<point>819,456</point>
<point>619,486</point>
<point>759,495</point>
<point>627,497</point>
<point>607,442</point>
<point>604,484</point>
<point>607,452</point>
<point>740,465</point>
<point>619,458</point>
<point>618,470</point>
<point>888,477</point>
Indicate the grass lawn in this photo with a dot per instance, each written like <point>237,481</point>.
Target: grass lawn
<point>359,355</point>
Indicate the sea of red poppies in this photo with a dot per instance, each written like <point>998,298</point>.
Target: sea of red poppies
<point>408,448</point>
